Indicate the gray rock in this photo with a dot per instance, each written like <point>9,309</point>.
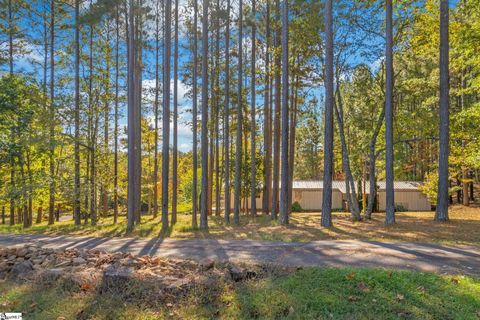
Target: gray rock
<point>20,269</point>
<point>116,278</point>
<point>236,273</point>
<point>206,264</point>
<point>78,261</point>
<point>53,274</point>
<point>22,252</point>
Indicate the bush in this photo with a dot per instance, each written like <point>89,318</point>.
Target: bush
<point>296,207</point>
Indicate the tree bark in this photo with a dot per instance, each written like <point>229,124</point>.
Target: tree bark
<point>238,142</point>
<point>133,201</point>
<point>389,174</point>
<point>166,114</point>
<point>115,130</point>
<point>204,142</point>
<point>175,120</point>
<point>253,168</point>
<point>326,219</point>
<point>267,124</point>
<point>276,136</point>
<point>194,117</point>
<point>51,207</point>
<point>441,212</point>
<point>283,215</point>
<point>76,192</point>
<point>226,126</point>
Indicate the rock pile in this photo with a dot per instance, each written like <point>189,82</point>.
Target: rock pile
<point>86,270</point>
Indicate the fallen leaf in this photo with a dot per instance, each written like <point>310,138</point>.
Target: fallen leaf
<point>85,286</point>
<point>400,297</point>
<point>350,276</point>
<point>352,298</point>
<point>362,286</point>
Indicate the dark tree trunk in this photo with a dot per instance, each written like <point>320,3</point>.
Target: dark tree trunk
<point>276,136</point>
<point>267,124</point>
<point>204,143</point>
<point>156,111</point>
<point>283,216</point>
<point>441,213</point>
<point>10,37</point>
<point>175,120</point>
<point>326,219</point>
<point>115,130</point>
<point>194,116</point>
<point>166,114</point>
<point>238,142</point>
<point>227,118</point>
<point>253,168</point>
<point>133,201</point>
<point>51,207</point>
<point>217,109</point>
<point>76,192</point>
<point>389,192</point>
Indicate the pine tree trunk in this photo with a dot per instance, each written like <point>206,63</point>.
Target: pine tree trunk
<point>51,207</point>
<point>226,134</point>
<point>175,120</point>
<point>285,175</point>
<point>276,136</point>
<point>217,109</point>
<point>166,114</point>
<point>253,168</point>
<point>267,124</point>
<point>204,142</point>
<point>133,202</point>
<point>115,130</point>
<point>389,174</point>
<point>238,142</point>
<point>194,117</point>
<point>441,213</point>
<point>326,219</point>
<point>76,192</point>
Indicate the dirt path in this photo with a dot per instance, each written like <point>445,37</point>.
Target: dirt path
<point>423,257</point>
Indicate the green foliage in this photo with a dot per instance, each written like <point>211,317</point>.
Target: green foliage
<point>296,207</point>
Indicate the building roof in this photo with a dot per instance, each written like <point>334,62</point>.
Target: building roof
<point>340,185</point>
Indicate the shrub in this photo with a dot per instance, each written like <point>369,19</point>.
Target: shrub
<point>296,207</point>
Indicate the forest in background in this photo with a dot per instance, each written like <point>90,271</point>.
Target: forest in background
<point>69,68</point>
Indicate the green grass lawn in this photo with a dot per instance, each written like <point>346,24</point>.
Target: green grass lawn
<point>305,294</point>
<point>410,227</point>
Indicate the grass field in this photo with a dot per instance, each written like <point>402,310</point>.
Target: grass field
<point>463,228</point>
<point>305,294</point>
